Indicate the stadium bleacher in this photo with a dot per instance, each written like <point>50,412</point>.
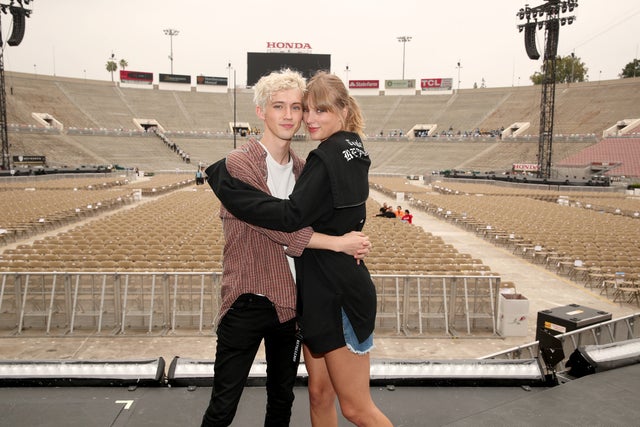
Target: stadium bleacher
<point>583,111</point>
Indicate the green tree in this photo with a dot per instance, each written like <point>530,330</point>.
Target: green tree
<point>124,64</point>
<point>569,69</point>
<point>112,67</point>
<point>632,69</point>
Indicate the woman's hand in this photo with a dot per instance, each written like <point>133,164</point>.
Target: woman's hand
<point>355,243</point>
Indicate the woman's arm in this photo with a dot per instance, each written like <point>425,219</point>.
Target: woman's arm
<point>258,208</point>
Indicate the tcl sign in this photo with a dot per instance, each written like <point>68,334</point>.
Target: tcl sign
<point>436,84</point>
<point>430,83</point>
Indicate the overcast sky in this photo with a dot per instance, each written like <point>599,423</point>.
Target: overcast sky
<point>75,38</point>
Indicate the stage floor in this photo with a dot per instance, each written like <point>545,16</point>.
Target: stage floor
<point>610,398</point>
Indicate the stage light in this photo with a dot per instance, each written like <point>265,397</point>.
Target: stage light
<point>590,359</point>
<point>189,372</point>
<point>610,356</point>
<point>462,371</point>
<point>82,372</point>
<point>185,372</point>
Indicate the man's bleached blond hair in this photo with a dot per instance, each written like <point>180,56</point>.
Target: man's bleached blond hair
<point>275,82</point>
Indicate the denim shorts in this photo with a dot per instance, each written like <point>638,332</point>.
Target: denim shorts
<point>352,340</point>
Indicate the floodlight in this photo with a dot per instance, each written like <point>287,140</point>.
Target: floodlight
<point>597,358</point>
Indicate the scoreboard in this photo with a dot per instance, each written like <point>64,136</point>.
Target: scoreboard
<point>260,64</point>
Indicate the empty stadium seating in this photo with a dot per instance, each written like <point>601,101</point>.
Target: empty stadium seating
<point>592,238</point>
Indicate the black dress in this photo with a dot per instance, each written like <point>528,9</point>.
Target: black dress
<point>330,196</point>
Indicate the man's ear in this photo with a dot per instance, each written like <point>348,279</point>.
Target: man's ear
<point>259,112</point>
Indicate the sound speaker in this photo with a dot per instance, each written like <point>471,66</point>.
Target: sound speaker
<point>17,33</point>
<point>530,40</point>
<point>553,34</point>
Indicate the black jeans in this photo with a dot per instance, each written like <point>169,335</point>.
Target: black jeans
<point>251,319</point>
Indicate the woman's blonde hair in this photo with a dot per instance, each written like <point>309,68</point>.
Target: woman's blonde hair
<point>329,93</point>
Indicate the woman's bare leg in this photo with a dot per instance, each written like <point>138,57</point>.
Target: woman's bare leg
<point>322,397</point>
<point>349,373</point>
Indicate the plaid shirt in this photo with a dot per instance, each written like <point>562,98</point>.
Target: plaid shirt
<point>254,258</point>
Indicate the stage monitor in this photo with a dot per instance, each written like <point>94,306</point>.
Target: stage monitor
<point>260,64</point>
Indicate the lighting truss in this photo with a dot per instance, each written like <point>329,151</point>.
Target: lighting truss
<point>19,14</point>
<point>16,10</point>
<point>548,15</point>
<point>551,10</point>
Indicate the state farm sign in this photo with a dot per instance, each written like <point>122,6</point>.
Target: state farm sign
<point>288,46</point>
<point>364,84</point>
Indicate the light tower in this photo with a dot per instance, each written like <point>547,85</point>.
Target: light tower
<point>171,32</point>
<point>403,40</point>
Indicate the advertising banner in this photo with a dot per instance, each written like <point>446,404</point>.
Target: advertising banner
<point>525,167</point>
<point>213,81</point>
<point>174,78</point>
<point>364,84</point>
<point>400,84</point>
<point>436,84</point>
<point>140,77</point>
<point>30,159</point>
